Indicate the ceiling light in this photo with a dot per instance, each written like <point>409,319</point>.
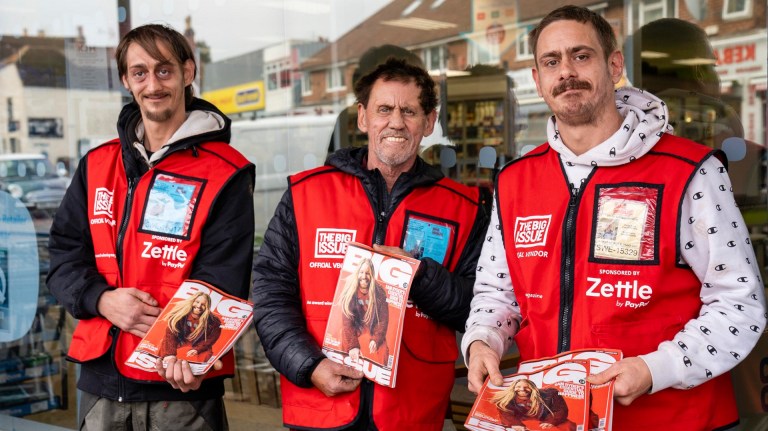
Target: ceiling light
<point>419,24</point>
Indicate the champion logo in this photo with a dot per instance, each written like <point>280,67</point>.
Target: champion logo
<point>532,231</point>
<point>332,243</point>
<point>102,202</point>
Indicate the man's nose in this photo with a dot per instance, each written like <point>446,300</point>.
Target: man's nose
<point>153,82</point>
<point>567,69</point>
<point>396,120</point>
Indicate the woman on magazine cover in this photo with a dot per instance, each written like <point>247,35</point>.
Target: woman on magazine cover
<point>192,330</point>
<point>365,315</point>
<point>523,404</point>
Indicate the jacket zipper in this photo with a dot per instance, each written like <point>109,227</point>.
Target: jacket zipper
<point>114,330</point>
<point>566,282</point>
<point>132,182</point>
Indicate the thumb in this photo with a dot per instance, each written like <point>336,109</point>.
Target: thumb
<point>145,297</point>
<point>346,371</point>
<point>605,376</point>
<point>495,375</point>
<point>218,365</point>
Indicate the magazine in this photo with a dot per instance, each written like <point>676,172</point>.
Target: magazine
<point>601,396</point>
<point>365,324</point>
<point>552,398</point>
<point>224,318</point>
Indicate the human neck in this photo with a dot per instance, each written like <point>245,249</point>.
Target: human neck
<point>157,134</point>
<point>583,138</point>
<point>390,173</point>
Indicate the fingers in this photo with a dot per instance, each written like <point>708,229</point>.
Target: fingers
<point>494,373</point>
<point>178,374</point>
<point>354,354</point>
<point>143,297</point>
<point>372,346</point>
<point>129,309</point>
<point>633,379</point>
<point>482,361</point>
<point>475,378</point>
<point>332,378</point>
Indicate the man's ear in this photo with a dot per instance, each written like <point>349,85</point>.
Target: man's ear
<point>616,66</point>
<point>362,120</point>
<point>431,119</point>
<point>189,72</point>
<point>125,83</point>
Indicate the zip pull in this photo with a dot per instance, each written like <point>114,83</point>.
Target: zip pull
<point>194,150</point>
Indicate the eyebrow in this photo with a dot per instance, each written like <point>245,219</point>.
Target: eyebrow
<point>145,66</point>
<point>569,51</point>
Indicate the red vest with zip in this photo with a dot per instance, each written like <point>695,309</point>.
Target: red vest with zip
<point>331,208</point>
<point>626,293</point>
<point>161,235</point>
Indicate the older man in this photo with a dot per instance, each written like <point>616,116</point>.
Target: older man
<point>373,195</point>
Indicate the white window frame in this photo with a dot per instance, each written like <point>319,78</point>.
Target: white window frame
<point>335,79</point>
<point>306,83</point>
<point>739,14</point>
<point>428,60</point>
<point>522,47</point>
<point>648,6</point>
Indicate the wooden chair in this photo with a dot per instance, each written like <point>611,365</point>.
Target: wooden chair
<point>462,400</point>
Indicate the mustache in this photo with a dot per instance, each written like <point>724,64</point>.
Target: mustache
<point>571,84</point>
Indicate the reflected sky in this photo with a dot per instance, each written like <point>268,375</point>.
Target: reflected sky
<point>229,27</point>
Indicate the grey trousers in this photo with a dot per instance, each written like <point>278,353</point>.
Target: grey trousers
<point>97,414</point>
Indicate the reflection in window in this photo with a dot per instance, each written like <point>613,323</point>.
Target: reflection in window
<point>336,78</point>
<point>651,10</point>
<point>736,8</point>
<point>523,50</point>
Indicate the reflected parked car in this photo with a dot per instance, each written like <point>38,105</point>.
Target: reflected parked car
<point>32,179</point>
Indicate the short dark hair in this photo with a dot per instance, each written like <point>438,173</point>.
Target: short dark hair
<point>395,69</point>
<point>147,36</point>
<point>579,14</point>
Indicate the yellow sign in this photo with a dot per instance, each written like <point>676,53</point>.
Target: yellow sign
<point>240,98</point>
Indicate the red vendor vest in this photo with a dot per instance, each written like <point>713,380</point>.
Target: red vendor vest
<point>625,289</point>
<point>332,207</point>
<point>168,209</point>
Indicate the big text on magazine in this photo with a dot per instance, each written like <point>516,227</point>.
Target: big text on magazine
<point>552,398</point>
<point>601,396</point>
<point>365,323</point>
<point>228,316</point>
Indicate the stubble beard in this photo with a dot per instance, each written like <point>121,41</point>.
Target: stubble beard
<point>580,113</point>
<point>158,116</point>
<point>391,156</point>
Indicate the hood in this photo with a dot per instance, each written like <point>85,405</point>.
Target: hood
<point>646,119</point>
<point>205,123</point>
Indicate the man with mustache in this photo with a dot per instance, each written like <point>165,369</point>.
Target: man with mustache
<point>380,195</point>
<point>116,260</point>
<point>674,285</point>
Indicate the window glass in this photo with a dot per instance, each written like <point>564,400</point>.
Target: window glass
<point>284,72</point>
